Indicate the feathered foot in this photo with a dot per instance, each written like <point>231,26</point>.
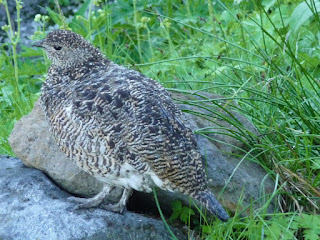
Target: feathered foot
<point>98,200</point>
<point>119,206</point>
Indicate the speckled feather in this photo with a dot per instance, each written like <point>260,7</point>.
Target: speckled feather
<point>117,124</point>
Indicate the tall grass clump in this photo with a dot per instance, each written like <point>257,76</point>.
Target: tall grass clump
<point>261,57</point>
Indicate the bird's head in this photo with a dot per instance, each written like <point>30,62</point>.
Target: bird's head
<point>67,49</point>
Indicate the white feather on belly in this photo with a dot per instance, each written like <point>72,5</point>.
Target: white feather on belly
<point>131,178</point>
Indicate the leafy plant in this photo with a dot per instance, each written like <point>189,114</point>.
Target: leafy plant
<point>181,212</point>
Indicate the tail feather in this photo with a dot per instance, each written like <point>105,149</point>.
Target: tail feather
<point>211,203</point>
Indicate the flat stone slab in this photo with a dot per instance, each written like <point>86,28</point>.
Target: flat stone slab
<point>32,207</point>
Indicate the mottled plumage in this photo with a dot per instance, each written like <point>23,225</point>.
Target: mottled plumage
<point>119,125</point>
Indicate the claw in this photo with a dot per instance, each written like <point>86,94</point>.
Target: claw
<point>77,199</point>
<point>117,208</point>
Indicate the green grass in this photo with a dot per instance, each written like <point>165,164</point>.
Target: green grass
<point>263,55</point>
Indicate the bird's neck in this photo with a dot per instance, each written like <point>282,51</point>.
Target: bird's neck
<point>63,74</point>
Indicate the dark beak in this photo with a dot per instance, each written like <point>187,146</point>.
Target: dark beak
<point>39,44</point>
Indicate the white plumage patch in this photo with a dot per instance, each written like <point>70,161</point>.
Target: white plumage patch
<point>130,178</point>
<point>68,110</point>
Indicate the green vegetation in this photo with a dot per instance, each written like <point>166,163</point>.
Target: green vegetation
<point>263,55</point>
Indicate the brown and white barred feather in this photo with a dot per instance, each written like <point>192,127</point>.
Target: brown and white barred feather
<point>119,125</point>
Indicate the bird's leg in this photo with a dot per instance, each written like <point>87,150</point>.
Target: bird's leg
<point>119,206</point>
<point>91,202</point>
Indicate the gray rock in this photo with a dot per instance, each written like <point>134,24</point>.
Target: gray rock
<point>32,143</point>
<point>32,207</point>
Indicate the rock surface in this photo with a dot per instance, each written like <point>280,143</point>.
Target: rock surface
<point>32,207</point>
<point>32,143</point>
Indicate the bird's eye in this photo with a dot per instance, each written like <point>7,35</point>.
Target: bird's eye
<point>57,47</point>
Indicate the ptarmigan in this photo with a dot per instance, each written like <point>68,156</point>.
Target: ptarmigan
<point>119,125</point>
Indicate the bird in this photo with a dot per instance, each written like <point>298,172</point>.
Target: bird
<point>119,125</point>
